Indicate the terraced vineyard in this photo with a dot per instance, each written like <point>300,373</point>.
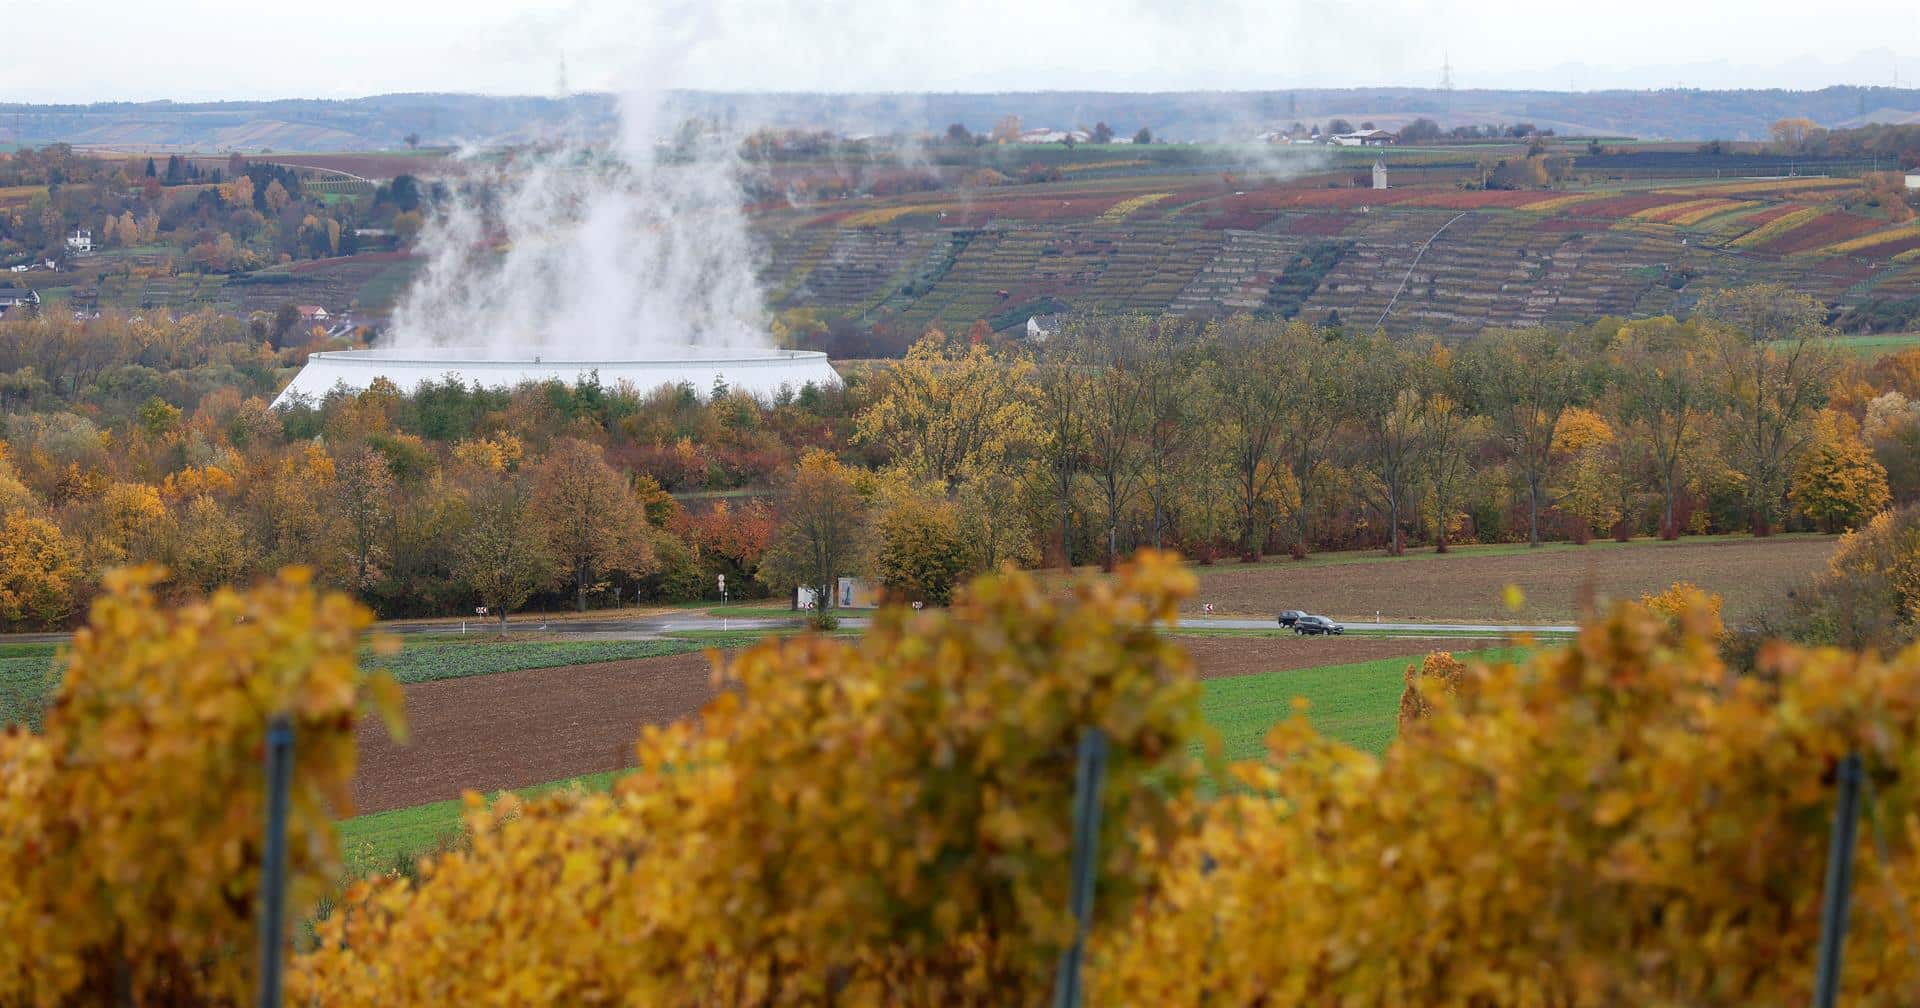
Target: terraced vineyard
<point>1319,250</point>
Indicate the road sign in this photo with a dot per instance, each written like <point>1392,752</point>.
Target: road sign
<point>722,578</point>
<point>480,610</point>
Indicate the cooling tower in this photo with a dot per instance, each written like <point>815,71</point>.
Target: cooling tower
<point>761,373</point>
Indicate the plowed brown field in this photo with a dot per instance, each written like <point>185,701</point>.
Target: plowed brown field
<point>516,729</point>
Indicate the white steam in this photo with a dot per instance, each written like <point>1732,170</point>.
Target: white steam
<point>617,250</point>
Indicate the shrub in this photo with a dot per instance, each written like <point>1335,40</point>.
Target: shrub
<point>130,863</point>
<point>1618,822</point>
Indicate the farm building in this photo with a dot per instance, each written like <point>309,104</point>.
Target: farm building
<point>1913,181</point>
<point>312,313</point>
<point>80,241</point>
<point>11,297</point>
<point>1039,327</point>
<point>1365,138</point>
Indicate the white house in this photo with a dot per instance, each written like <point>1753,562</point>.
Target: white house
<point>312,313</point>
<point>81,240</point>
<point>1039,327</point>
<point>1913,181</point>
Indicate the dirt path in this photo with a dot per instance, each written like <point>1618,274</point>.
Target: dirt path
<point>517,729</point>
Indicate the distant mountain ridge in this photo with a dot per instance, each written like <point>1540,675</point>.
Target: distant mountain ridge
<point>386,121</point>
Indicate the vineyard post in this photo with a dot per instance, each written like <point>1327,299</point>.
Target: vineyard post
<point>273,865</point>
<point>1833,906</point>
<point>1089,776</point>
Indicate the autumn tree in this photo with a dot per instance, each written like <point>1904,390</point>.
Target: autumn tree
<point>876,821</point>
<point>1660,392</point>
<point>1118,360</point>
<point>1254,410</point>
<point>502,552</point>
<point>1631,781</point>
<point>821,527</point>
<point>1390,395</point>
<point>1775,365</point>
<point>134,816</point>
<point>1523,380</point>
<point>1062,415</point>
<point>364,490</point>
<point>919,550</point>
<point>39,571</point>
<point>1838,482</point>
<point>592,520</point>
<point>211,548</point>
<point>949,413</point>
<point>1449,436</point>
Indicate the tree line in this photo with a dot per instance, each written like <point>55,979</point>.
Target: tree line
<point>150,440</point>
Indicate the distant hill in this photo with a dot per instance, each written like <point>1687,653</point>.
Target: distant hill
<point>386,121</point>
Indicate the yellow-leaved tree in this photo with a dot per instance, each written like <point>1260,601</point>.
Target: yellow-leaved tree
<point>1838,482</point>
<point>130,855</point>
<point>873,822</point>
<point>1617,822</point>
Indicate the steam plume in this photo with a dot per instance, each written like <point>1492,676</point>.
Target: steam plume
<point>619,250</point>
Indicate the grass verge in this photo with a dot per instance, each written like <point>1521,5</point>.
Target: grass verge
<point>1357,703</point>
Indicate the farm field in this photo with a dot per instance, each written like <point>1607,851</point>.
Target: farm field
<point>27,673</point>
<point>517,729</point>
<point>1466,586</point>
<point>1873,346</point>
<point>1156,240</point>
<point>584,730</point>
<point>1357,703</point>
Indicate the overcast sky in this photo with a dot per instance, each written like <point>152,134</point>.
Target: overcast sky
<point>60,50</point>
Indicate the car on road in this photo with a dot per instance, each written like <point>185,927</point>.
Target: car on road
<point>1312,625</point>
<point>1286,618</point>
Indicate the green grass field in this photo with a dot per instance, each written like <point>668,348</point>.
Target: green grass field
<point>1873,346</point>
<point>1356,703</point>
<point>435,658</point>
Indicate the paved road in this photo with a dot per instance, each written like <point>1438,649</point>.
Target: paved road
<point>653,627</point>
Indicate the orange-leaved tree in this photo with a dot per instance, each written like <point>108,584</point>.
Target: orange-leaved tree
<point>130,856</point>
<point>1621,821</point>
<point>881,821</point>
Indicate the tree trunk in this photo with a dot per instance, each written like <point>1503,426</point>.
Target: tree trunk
<point>580,587</point>
<point>1668,531</point>
<point>1394,547</point>
<point>503,621</point>
<point>1440,533</point>
<point>1533,512</point>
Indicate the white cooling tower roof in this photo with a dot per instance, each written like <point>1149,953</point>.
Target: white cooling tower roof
<point>761,373</point>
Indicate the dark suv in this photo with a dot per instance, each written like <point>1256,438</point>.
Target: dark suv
<point>1287,618</point>
<point>1311,625</point>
